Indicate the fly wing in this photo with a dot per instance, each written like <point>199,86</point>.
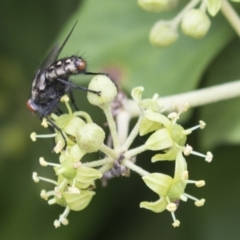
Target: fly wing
<point>53,55</point>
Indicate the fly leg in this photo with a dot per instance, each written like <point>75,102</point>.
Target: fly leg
<point>72,85</point>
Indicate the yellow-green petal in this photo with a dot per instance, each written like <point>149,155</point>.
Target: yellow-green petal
<point>214,6</point>
<point>159,140</point>
<point>78,201</point>
<point>148,126</point>
<point>157,117</point>
<point>86,176</point>
<point>169,155</point>
<point>137,94</point>
<point>156,207</point>
<point>158,182</point>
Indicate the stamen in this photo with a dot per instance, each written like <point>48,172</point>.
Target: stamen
<point>65,99</point>
<point>58,147</point>
<point>200,183</point>
<point>200,203</point>
<point>52,201</point>
<point>74,190</point>
<point>77,164</point>
<point>185,175</point>
<point>208,157</point>
<point>45,163</point>
<point>44,123</point>
<point>183,197</point>
<point>56,224</point>
<point>34,136</point>
<point>201,125</point>
<point>173,116</point>
<point>64,221</point>
<point>57,192</point>
<point>45,195</point>
<point>62,184</point>
<point>187,150</point>
<point>176,223</point>
<point>171,207</point>
<point>155,96</point>
<point>36,179</point>
<point>63,217</point>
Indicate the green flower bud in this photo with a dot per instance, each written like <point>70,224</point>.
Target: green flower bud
<point>106,88</point>
<point>162,34</point>
<point>156,5</point>
<point>78,201</point>
<point>90,137</point>
<point>195,23</point>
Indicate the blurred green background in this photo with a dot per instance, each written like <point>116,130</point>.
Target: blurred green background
<point>113,36</point>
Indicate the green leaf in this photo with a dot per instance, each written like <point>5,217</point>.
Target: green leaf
<point>112,41</point>
<point>223,125</point>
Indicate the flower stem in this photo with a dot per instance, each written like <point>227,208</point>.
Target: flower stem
<point>105,168</point>
<point>174,22</point>
<point>112,127</point>
<point>122,119</point>
<point>133,134</point>
<point>134,167</point>
<point>135,151</point>
<point>231,15</point>
<point>108,151</point>
<point>97,163</point>
<point>194,98</point>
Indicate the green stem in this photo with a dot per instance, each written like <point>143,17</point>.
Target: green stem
<point>97,163</point>
<point>112,127</point>
<point>134,167</point>
<point>133,134</point>
<point>231,15</point>
<point>195,98</point>
<point>135,151</point>
<point>108,151</point>
<point>122,120</point>
<point>105,168</point>
<point>175,22</point>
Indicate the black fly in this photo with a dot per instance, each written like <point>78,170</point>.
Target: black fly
<point>51,81</point>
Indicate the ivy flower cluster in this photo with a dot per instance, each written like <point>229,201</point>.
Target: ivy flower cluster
<point>77,135</point>
<point>193,19</point>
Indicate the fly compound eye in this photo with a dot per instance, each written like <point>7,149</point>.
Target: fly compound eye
<point>81,65</point>
<point>31,106</point>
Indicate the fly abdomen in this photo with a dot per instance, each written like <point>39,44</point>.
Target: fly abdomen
<point>66,67</point>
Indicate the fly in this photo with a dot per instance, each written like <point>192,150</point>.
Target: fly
<point>51,81</point>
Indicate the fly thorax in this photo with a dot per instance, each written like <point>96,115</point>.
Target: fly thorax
<point>42,82</point>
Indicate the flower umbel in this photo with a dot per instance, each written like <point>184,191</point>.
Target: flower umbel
<point>77,135</point>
